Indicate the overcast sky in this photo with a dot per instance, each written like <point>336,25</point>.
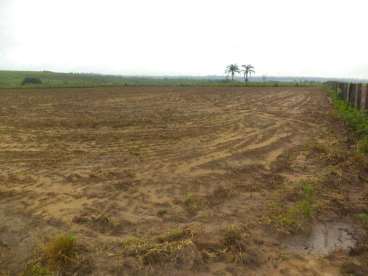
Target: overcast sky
<point>186,37</point>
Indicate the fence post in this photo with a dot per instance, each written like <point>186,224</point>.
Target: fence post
<point>364,101</point>
<point>346,87</point>
<point>357,96</point>
<point>351,94</point>
<point>343,94</point>
<point>344,91</point>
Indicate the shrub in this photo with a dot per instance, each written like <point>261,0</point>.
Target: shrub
<point>30,80</point>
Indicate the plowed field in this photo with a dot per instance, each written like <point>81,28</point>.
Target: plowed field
<point>205,179</point>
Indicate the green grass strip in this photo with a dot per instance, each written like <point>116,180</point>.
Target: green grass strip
<point>357,120</point>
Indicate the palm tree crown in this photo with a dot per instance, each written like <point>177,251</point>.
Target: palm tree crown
<point>248,69</point>
<point>232,69</point>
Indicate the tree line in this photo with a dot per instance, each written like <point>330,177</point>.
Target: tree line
<point>246,69</point>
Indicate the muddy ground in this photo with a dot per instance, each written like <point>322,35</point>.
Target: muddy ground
<point>181,181</point>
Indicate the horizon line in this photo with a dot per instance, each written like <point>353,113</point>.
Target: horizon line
<point>183,75</point>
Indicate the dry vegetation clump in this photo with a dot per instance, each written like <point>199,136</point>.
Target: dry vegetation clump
<point>60,255</point>
<point>153,252</point>
<point>176,235</point>
<point>232,236</point>
<point>332,177</point>
<point>187,248</point>
<point>237,246</point>
<point>330,152</point>
<point>159,249</point>
<point>59,252</point>
<point>193,203</point>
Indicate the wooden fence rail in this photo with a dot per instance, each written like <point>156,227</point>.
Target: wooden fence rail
<point>356,94</point>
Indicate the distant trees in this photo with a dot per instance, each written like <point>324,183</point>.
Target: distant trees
<point>30,80</point>
<point>232,69</point>
<point>248,69</point>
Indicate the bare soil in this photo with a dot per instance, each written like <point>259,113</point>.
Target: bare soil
<point>106,164</point>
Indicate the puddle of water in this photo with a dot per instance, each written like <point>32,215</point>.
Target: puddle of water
<point>325,238</point>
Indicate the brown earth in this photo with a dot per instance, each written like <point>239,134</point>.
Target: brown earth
<point>106,164</point>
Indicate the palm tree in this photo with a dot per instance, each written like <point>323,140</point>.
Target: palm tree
<point>248,70</point>
<point>232,69</point>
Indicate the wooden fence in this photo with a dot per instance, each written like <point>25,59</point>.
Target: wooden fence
<point>356,94</point>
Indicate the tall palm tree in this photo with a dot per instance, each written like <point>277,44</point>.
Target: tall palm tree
<point>248,69</point>
<point>232,69</point>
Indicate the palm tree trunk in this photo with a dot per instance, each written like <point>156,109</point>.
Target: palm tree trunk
<point>232,76</point>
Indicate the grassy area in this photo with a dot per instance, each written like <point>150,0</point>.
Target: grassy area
<point>298,215</point>
<point>13,79</point>
<point>357,120</point>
